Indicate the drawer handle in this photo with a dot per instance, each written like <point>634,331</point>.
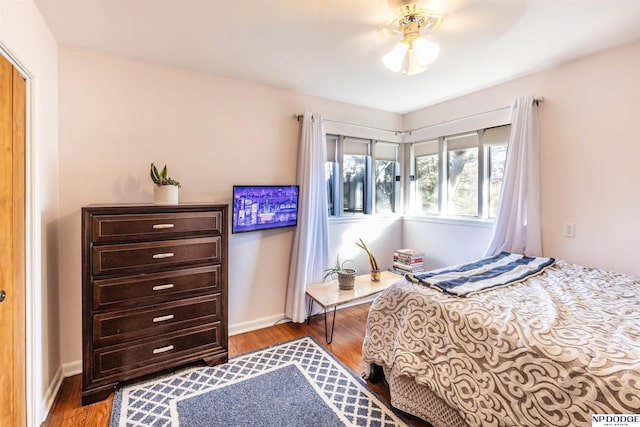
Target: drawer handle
<point>162,287</point>
<point>163,318</point>
<point>161,226</point>
<point>162,349</point>
<point>164,255</point>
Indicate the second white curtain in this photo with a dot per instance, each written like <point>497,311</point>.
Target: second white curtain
<point>517,228</point>
<point>310,252</point>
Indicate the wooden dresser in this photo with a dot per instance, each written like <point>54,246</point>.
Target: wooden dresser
<point>154,291</point>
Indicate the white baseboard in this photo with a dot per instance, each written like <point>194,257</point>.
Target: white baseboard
<point>50,395</point>
<point>265,322</point>
<point>66,370</point>
<point>253,325</point>
<point>72,368</point>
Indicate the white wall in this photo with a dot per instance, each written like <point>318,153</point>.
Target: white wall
<point>118,115</point>
<point>446,242</point>
<point>589,158</point>
<point>382,235</point>
<point>28,40</point>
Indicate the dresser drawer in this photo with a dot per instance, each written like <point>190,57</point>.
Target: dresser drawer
<point>150,256</point>
<point>120,228</point>
<point>119,326</point>
<point>143,353</point>
<point>136,291</point>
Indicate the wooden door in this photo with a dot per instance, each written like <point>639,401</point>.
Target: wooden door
<point>12,246</point>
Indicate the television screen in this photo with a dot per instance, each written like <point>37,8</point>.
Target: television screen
<point>260,207</point>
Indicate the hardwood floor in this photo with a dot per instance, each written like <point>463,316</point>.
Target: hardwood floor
<point>346,346</point>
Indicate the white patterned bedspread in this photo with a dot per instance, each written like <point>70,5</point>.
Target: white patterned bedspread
<point>550,351</point>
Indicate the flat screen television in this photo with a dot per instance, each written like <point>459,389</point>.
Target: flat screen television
<point>262,207</point>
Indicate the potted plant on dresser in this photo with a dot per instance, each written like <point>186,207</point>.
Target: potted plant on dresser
<point>165,191</point>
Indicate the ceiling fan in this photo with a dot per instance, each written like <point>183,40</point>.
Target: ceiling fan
<point>416,20</point>
<point>414,52</point>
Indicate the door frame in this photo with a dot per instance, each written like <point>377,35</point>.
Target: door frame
<point>31,306</point>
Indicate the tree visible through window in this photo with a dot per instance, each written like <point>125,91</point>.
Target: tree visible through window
<point>453,176</point>
<point>497,160</point>
<point>385,177</point>
<point>329,177</point>
<point>353,176</point>
<point>361,175</point>
<point>427,183</point>
<point>460,175</point>
<point>463,182</point>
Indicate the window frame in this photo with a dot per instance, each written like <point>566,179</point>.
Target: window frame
<point>378,155</point>
<point>336,143</point>
<point>446,205</point>
<point>486,187</point>
<point>413,177</point>
<point>484,173</point>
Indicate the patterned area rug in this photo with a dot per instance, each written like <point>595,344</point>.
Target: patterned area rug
<point>297,383</point>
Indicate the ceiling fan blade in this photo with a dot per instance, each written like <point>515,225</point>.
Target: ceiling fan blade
<point>483,18</point>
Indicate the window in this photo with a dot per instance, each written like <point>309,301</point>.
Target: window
<point>353,179</point>
<point>332,193</point>
<point>460,175</point>
<point>355,175</point>
<point>387,186</point>
<point>495,142</point>
<point>497,156</point>
<point>332,171</point>
<point>361,174</point>
<point>427,176</point>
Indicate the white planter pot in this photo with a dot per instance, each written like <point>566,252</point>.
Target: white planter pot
<point>165,195</point>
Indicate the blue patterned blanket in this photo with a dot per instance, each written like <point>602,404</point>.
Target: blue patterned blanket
<point>488,273</point>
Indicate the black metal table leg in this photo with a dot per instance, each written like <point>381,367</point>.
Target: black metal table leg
<point>310,312</point>
<point>333,324</point>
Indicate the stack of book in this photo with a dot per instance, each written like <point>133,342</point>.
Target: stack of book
<point>408,261</point>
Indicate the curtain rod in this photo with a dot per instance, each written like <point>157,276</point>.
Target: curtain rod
<point>298,117</point>
<point>536,101</point>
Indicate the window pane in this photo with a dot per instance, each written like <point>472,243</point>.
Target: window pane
<point>497,159</point>
<point>427,184</point>
<point>353,178</point>
<point>384,185</point>
<point>463,182</point>
<point>328,173</point>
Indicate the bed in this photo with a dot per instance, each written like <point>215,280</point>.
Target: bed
<point>551,349</point>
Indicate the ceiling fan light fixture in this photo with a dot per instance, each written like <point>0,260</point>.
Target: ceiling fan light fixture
<point>394,59</point>
<point>426,51</point>
<point>411,65</point>
<point>414,53</point>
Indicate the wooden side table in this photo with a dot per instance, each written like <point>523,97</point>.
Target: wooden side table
<point>328,294</point>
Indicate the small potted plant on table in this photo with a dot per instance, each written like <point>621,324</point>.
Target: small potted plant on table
<point>346,276</point>
<point>165,191</point>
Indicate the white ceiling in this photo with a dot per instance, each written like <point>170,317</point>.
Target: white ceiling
<point>333,48</point>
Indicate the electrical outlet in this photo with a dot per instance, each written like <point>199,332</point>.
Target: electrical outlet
<point>569,229</point>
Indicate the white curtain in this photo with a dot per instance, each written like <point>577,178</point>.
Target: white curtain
<point>517,228</point>
<point>310,252</point>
